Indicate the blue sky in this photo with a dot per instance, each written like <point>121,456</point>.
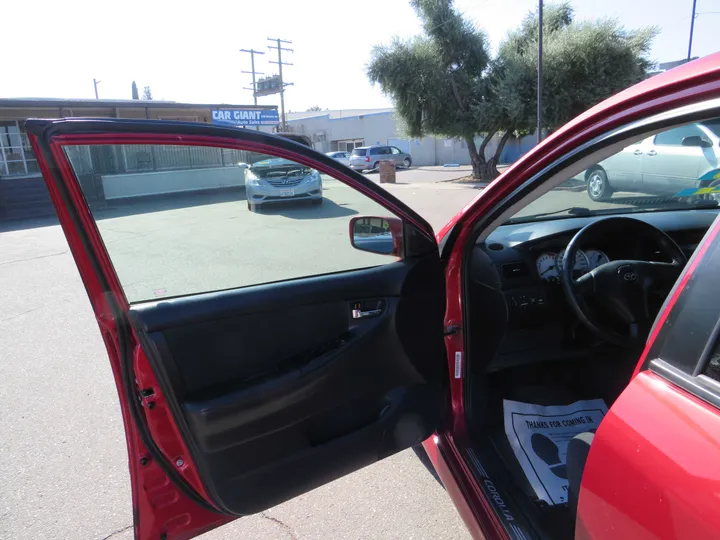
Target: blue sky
<point>192,54</point>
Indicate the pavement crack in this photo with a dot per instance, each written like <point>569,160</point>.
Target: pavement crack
<point>117,532</point>
<point>33,258</point>
<point>21,314</point>
<point>283,525</point>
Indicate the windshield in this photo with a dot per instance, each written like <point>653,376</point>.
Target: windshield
<point>676,169</point>
<point>359,151</point>
<point>275,162</point>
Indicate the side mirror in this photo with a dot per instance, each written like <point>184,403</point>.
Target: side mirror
<point>377,235</point>
<point>696,140</point>
<point>243,165</point>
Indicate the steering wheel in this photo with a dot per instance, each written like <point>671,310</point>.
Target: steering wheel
<point>623,286</point>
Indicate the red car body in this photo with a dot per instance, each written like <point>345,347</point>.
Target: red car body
<point>651,470</point>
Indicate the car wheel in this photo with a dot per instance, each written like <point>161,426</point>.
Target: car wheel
<point>598,188</point>
<point>407,162</point>
<point>250,206</point>
<point>425,460</point>
<point>375,165</point>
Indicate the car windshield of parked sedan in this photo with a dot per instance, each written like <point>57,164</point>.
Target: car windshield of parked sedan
<point>677,169</point>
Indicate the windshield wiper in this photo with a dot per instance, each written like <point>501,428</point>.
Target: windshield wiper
<point>579,211</point>
<point>705,204</point>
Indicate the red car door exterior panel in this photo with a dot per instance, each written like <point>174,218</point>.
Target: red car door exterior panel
<point>652,468</point>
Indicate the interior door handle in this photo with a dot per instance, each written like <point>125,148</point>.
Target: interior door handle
<point>360,314</point>
<point>652,153</point>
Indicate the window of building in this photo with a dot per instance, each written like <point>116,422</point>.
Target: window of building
<point>16,155</point>
<point>348,145</point>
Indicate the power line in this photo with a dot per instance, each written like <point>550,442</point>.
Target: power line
<point>253,52</point>
<point>692,27</point>
<point>540,73</point>
<point>283,84</point>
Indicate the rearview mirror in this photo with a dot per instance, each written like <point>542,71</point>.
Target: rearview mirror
<point>377,235</point>
<point>696,140</point>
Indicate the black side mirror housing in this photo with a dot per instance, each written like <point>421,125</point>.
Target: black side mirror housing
<point>696,140</point>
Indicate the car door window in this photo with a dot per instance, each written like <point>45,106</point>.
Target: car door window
<point>674,137</point>
<point>394,150</point>
<point>689,339</point>
<point>175,219</point>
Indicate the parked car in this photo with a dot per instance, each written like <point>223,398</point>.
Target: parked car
<point>658,165</point>
<point>368,158</point>
<point>342,157</point>
<point>277,180</point>
<point>558,364</point>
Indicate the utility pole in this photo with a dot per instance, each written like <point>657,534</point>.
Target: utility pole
<point>253,52</point>
<point>280,64</point>
<point>95,83</point>
<point>540,73</point>
<point>692,27</point>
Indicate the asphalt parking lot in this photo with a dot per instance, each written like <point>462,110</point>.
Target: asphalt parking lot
<point>64,471</point>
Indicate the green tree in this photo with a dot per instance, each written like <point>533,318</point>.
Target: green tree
<point>445,82</point>
<point>314,108</point>
<point>135,94</point>
<point>147,94</point>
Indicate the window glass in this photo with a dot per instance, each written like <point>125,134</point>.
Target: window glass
<point>713,125</point>
<point>637,180</point>
<point>394,150</point>
<point>359,151</point>
<point>693,317</point>
<point>674,137</point>
<point>179,220</point>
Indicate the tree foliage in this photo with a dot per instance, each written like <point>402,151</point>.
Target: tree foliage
<point>314,108</point>
<point>445,82</point>
<point>135,94</point>
<point>147,94</point>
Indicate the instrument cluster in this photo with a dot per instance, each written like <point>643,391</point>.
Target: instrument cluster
<point>549,264</point>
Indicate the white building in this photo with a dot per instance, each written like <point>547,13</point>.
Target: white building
<point>350,128</point>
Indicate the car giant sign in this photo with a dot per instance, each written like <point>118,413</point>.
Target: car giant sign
<point>245,117</point>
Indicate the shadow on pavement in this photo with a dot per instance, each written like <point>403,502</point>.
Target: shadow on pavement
<point>28,223</point>
<point>161,203</point>
<point>131,207</point>
<point>306,210</point>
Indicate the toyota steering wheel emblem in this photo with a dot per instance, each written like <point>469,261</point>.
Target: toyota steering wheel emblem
<point>630,276</point>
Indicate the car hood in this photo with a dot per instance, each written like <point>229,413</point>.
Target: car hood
<point>279,168</point>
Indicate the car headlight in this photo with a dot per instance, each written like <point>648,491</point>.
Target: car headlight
<point>251,179</point>
<point>312,177</point>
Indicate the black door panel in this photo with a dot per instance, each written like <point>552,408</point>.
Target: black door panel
<point>277,388</point>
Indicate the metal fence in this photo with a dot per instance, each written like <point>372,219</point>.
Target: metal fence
<point>133,158</point>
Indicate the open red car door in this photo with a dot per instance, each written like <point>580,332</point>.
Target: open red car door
<point>257,355</point>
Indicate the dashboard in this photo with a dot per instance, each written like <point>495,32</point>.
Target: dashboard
<point>516,302</point>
